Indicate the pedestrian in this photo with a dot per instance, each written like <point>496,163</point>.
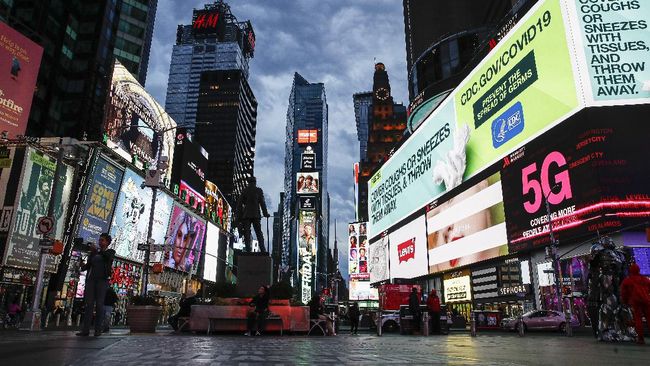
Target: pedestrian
<point>13,310</point>
<point>184,309</point>
<point>259,311</point>
<point>109,305</point>
<point>317,311</point>
<point>635,291</point>
<point>433,307</point>
<point>414,308</point>
<point>99,266</point>
<point>248,213</point>
<point>354,315</point>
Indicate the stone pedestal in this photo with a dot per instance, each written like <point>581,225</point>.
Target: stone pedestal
<point>253,270</point>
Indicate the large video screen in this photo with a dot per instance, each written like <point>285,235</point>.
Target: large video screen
<point>467,228</point>
<point>190,164</point>
<point>185,236</point>
<point>378,259</point>
<point>307,250</point>
<point>307,183</point>
<point>101,197</point>
<point>20,61</point>
<point>408,250</point>
<point>134,120</point>
<point>357,248</point>
<point>217,207</point>
<point>23,248</point>
<point>131,218</point>
<point>211,252</point>
<point>360,290</point>
<point>589,171</point>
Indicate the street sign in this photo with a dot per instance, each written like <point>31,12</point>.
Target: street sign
<point>46,243</point>
<point>45,225</point>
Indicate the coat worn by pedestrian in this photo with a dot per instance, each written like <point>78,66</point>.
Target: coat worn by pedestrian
<point>635,291</point>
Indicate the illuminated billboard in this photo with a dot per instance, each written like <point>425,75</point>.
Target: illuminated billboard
<point>522,88</point>
<point>357,248</point>
<point>134,121</point>
<point>101,197</point>
<point>208,22</point>
<point>307,183</point>
<point>20,61</point>
<point>307,250</point>
<point>211,253</point>
<point>188,173</point>
<point>185,237</point>
<point>32,201</point>
<point>307,136</point>
<point>467,228</point>
<point>131,218</point>
<point>408,250</point>
<point>378,254</point>
<point>217,207</point>
<point>360,289</point>
<point>590,175</point>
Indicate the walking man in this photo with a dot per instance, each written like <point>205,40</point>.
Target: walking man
<point>248,213</point>
<point>99,267</point>
<point>354,315</point>
<point>414,308</point>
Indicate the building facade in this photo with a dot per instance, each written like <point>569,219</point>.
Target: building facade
<point>380,126</point>
<point>306,114</point>
<point>80,40</point>
<point>208,82</point>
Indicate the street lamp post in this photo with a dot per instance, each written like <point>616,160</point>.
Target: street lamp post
<point>552,252</point>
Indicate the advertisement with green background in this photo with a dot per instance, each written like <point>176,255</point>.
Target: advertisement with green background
<point>525,86</point>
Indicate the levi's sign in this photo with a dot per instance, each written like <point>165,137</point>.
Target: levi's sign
<point>406,250</point>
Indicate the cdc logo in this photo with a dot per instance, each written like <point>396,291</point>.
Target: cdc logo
<point>507,125</point>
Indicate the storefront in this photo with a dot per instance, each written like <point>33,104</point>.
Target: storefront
<point>457,292</point>
<point>503,285</point>
<point>16,284</point>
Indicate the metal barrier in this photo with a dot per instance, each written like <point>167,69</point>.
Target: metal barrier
<point>425,324</point>
<point>379,323</point>
<point>472,327</point>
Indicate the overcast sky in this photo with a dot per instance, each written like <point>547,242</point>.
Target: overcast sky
<point>331,41</point>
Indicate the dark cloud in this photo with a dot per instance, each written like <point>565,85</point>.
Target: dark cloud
<point>335,42</point>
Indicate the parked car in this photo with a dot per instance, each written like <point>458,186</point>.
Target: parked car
<point>389,322</point>
<point>540,320</point>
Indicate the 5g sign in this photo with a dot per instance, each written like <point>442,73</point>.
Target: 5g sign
<point>542,184</point>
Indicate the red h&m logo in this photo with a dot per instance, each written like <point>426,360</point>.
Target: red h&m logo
<point>205,21</point>
<point>406,250</point>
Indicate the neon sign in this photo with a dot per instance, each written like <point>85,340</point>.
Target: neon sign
<point>206,21</point>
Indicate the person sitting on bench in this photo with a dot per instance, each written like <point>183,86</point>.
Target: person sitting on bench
<point>317,311</point>
<point>184,310</point>
<point>259,311</point>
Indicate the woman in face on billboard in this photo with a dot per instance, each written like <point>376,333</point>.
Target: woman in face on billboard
<point>182,239</point>
<point>353,242</point>
<point>300,185</point>
<point>351,230</point>
<point>362,254</point>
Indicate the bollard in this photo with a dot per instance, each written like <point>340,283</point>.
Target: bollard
<point>68,320</point>
<point>57,319</point>
<point>569,329</point>
<point>472,328</point>
<point>520,324</point>
<point>379,323</point>
<point>47,320</point>
<point>78,319</point>
<point>425,324</point>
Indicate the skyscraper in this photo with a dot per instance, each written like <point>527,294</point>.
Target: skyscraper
<point>380,126</point>
<point>306,138</point>
<point>79,39</point>
<point>208,82</point>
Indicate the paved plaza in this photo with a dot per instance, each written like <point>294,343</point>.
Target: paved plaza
<point>163,348</point>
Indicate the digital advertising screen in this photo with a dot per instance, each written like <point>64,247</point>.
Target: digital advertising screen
<point>211,252</point>
<point>217,207</point>
<point>188,174</point>
<point>131,218</point>
<point>20,61</point>
<point>408,250</point>
<point>525,85</point>
<point>37,177</point>
<point>378,260</point>
<point>357,248</point>
<point>134,122</point>
<point>307,183</point>
<point>307,250</point>
<point>208,22</point>
<point>467,228</point>
<point>185,236</point>
<point>360,289</point>
<point>126,278</point>
<point>101,197</point>
<point>457,286</point>
<point>587,170</point>
<point>307,137</point>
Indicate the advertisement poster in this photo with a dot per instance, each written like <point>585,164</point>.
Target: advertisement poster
<point>307,247</point>
<point>613,44</point>
<point>360,289</point>
<point>523,87</point>
<point>20,61</point>
<point>101,198</point>
<point>133,119</point>
<point>131,218</point>
<point>457,286</point>
<point>211,253</point>
<point>408,250</point>
<point>307,183</point>
<point>125,278</point>
<point>467,228</point>
<point>217,207</point>
<point>307,137</point>
<point>185,236</point>
<point>358,248</point>
<point>23,248</point>
<point>378,260</point>
<point>589,175</point>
